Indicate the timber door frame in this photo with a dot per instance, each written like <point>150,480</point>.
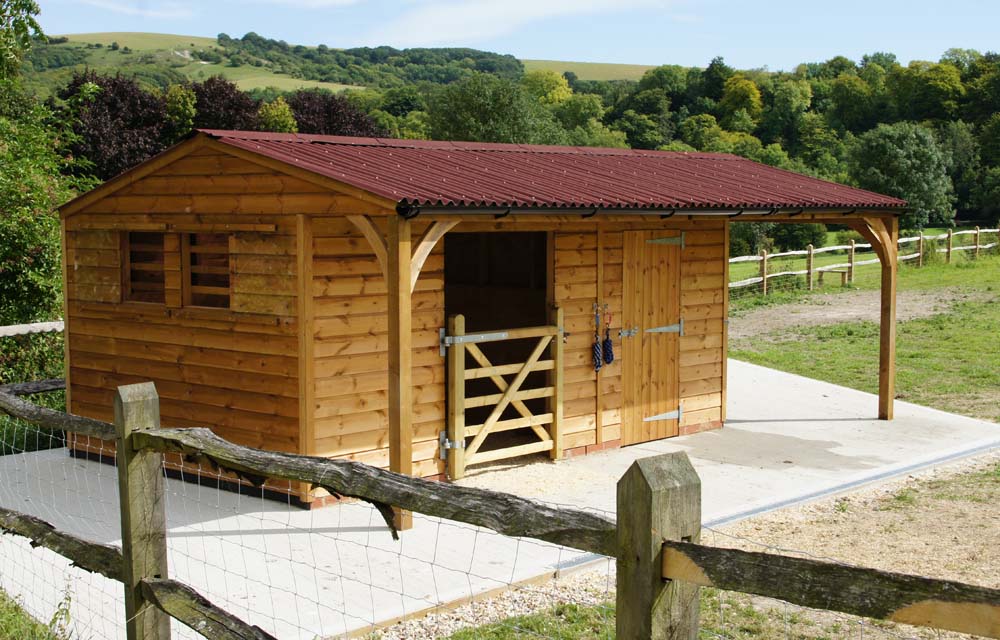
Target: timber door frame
<point>651,357</point>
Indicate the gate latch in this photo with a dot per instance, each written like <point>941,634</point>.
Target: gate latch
<point>446,444</point>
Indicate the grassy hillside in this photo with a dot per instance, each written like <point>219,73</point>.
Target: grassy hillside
<point>590,70</point>
<point>155,58</point>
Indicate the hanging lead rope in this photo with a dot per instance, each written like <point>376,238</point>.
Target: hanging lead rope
<point>598,358</point>
<point>609,346</point>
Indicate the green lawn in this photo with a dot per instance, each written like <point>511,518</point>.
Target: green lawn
<point>15,624</point>
<point>144,41</point>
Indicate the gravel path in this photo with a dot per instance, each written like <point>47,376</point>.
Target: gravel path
<point>833,308</point>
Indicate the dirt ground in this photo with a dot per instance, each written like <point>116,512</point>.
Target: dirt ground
<point>851,306</point>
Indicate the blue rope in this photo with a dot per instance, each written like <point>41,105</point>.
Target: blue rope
<point>608,347</point>
<point>597,354</point>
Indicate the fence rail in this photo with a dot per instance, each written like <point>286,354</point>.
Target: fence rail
<point>847,269</point>
<point>655,535</point>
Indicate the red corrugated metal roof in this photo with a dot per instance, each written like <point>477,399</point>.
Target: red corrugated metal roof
<point>470,175</point>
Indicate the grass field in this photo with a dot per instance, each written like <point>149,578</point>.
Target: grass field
<point>166,51</point>
<point>590,70</point>
<point>15,624</point>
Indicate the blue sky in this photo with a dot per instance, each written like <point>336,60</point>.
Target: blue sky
<point>751,33</point>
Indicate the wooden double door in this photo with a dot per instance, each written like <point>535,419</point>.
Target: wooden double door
<point>651,335</point>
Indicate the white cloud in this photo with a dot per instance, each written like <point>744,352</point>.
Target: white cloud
<point>144,9</point>
<point>438,22</point>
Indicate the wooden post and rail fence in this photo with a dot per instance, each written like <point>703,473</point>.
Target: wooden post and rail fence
<point>655,540</point>
<point>814,273</point>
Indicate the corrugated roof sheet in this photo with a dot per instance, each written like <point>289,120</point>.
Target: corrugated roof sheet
<point>469,175</point>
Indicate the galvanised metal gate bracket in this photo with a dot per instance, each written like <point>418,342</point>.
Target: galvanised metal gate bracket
<point>670,415</point>
<point>670,328</point>
<point>446,444</point>
<point>472,338</point>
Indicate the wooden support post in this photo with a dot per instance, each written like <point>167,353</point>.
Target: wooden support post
<point>809,266</point>
<point>763,272</point>
<point>887,328</point>
<point>399,254</point>
<point>558,357</point>
<point>725,319</point>
<point>976,250</point>
<point>947,253</point>
<point>456,400</point>
<point>850,262</point>
<point>143,511</point>
<point>659,499</point>
<point>920,250</point>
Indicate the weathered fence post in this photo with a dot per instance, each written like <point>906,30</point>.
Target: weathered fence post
<point>920,250</point>
<point>976,250</point>
<point>763,272</point>
<point>809,266</point>
<point>659,499</point>
<point>850,262</point>
<point>947,254</point>
<point>143,511</point>
<point>456,400</point>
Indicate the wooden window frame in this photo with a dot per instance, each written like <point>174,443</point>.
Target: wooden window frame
<point>189,289</point>
<point>125,248</point>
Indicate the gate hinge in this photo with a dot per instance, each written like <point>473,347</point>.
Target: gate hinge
<point>678,240</point>
<point>670,415</point>
<point>471,338</point>
<point>446,444</point>
<point>670,328</point>
<point>628,333</point>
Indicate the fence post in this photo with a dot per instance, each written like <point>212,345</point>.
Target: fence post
<point>659,498</point>
<point>947,254</point>
<point>456,400</point>
<point>976,250</point>
<point>143,512</point>
<point>763,272</point>
<point>809,266</point>
<point>850,261</point>
<point>920,250</point>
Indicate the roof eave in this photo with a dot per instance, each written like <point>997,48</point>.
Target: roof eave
<point>407,210</point>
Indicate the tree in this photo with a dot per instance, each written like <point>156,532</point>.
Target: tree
<point>989,141</point>
<point>180,105</point>
<point>31,187</point>
<point>904,160</point>
<point>276,116</point>
<point>548,87</point>
<point>221,105</point>
<point>714,77</point>
<point>791,99</point>
<point>485,108</point>
<point>792,237</point>
<point>641,131</point>
<point>321,112</point>
<point>18,28</point>
<point>117,124</point>
<point>670,78</point>
<point>740,94</point>
<point>853,103</point>
<point>961,148</point>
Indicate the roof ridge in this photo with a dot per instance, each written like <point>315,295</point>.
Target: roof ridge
<point>455,145</point>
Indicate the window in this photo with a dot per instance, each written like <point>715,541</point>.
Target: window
<point>143,272</point>
<point>206,269</point>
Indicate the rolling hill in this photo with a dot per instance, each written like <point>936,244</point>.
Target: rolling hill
<point>157,59</point>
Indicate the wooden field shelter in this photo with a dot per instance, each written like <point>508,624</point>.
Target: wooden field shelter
<point>421,305</point>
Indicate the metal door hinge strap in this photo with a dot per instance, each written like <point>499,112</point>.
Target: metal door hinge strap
<point>670,415</point>
<point>447,341</point>
<point>678,240</point>
<point>628,333</point>
<point>446,444</point>
<point>670,328</point>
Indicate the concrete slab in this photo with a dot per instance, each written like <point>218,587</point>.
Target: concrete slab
<point>302,574</point>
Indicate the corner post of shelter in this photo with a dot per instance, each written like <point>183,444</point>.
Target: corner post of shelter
<point>883,234</point>
<point>398,282</point>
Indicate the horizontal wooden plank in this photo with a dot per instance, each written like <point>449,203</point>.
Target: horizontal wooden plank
<point>371,362</point>
<point>205,338</point>
<point>219,184</point>
<point>356,345</point>
<point>701,416</point>
<point>702,356</point>
<point>509,452</point>
<point>349,384</point>
<point>360,402</point>
<point>190,317</point>
<point>700,387</point>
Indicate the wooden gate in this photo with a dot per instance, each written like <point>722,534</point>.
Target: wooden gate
<point>546,426</point>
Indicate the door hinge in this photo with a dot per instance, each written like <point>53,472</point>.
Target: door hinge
<point>670,415</point>
<point>446,444</point>
<point>670,328</point>
<point>628,333</point>
<point>678,240</point>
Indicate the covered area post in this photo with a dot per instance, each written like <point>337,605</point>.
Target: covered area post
<point>883,234</point>
<point>399,276</point>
